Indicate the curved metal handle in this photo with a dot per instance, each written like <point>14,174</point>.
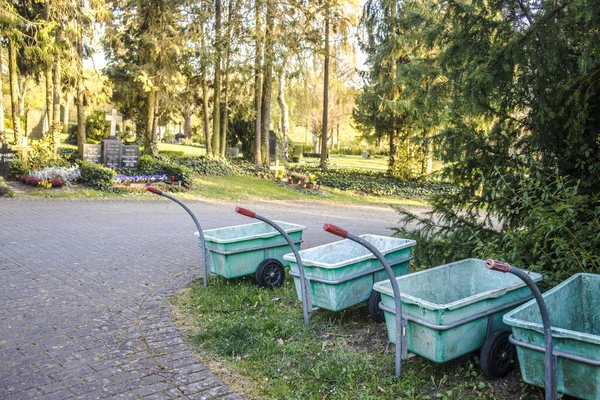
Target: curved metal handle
<point>550,367</point>
<point>497,265</point>
<point>154,190</point>
<point>336,230</point>
<point>245,212</point>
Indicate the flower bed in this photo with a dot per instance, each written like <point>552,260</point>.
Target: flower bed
<point>128,179</point>
<point>50,177</point>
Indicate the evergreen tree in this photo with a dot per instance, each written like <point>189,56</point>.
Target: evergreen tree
<point>522,133</point>
<point>143,45</point>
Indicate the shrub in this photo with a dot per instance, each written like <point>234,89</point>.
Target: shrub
<point>96,176</point>
<point>18,168</point>
<point>5,190</point>
<point>374,183</point>
<point>71,156</point>
<point>556,231</point>
<point>96,128</point>
<point>148,165</point>
<point>42,155</point>
<point>244,167</point>
<point>206,167</point>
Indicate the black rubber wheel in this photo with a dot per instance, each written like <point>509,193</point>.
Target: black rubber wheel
<point>497,355</point>
<point>375,312</point>
<point>270,273</point>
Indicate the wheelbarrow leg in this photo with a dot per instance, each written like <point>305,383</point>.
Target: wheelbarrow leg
<point>550,359</point>
<point>401,339</point>
<point>201,235</point>
<point>303,283</point>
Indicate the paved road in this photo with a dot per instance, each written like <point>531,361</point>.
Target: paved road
<point>85,284</point>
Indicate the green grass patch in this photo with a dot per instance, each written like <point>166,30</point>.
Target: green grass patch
<point>375,163</point>
<point>233,187</point>
<point>188,151</point>
<point>258,336</point>
<point>251,188</point>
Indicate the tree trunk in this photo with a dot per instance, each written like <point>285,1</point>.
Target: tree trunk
<point>324,132</point>
<point>216,139</point>
<point>155,126</point>
<point>187,123</point>
<point>81,135</point>
<point>258,85</point>
<point>267,89</point>
<point>23,89</point>
<point>14,90</point>
<point>49,96</point>
<point>285,110</point>
<point>225,102</point>
<point>426,154</point>
<point>149,137</point>
<point>2,134</point>
<point>393,163</point>
<point>66,111</point>
<point>55,128</point>
<point>225,113</point>
<point>205,111</point>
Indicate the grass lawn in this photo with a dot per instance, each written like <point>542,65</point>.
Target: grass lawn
<point>188,151</point>
<point>231,188</point>
<point>377,163</point>
<point>255,340</point>
<point>250,188</point>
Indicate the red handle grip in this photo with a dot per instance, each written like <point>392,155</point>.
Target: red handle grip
<point>497,265</point>
<point>245,212</point>
<point>336,230</point>
<point>154,190</point>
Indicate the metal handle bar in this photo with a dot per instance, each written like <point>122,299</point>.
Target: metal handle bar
<point>550,359</point>
<point>400,322</point>
<point>303,284</point>
<point>159,192</point>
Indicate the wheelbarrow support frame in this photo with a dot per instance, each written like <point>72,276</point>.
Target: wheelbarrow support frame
<point>292,244</point>
<point>201,235</point>
<point>401,339</point>
<point>549,356</point>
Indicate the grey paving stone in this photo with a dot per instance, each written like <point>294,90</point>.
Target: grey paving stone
<point>85,288</point>
<point>87,284</point>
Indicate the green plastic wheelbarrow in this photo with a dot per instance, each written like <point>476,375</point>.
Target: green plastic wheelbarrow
<point>575,338</point>
<point>242,250</point>
<point>256,248</point>
<point>341,274</point>
<point>454,309</point>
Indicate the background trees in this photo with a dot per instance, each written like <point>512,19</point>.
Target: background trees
<point>518,87</point>
<point>506,95</point>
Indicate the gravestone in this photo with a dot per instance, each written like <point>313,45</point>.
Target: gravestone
<point>112,153</point>
<point>113,118</point>
<point>130,155</point>
<point>272,146</point>
<point>92,153</point>
<point>6,156</point>
<point>35,123</point>
<point>112,147</point>
<point>233,151</point>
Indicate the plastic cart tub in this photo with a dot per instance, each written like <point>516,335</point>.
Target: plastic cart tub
<point>574,307</point>
<point>452,309</point>
<point>236,251</point>
<point>341,274</point>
